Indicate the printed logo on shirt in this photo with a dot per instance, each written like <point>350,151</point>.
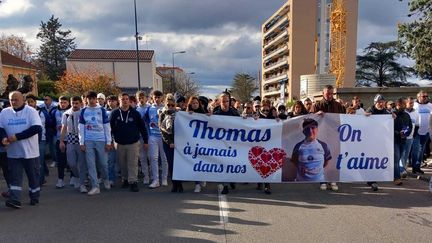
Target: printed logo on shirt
<point>17,122</point>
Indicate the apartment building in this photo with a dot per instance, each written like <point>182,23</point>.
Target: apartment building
<point>295,42</point>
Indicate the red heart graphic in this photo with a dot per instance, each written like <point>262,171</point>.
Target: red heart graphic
<point>266,162</point>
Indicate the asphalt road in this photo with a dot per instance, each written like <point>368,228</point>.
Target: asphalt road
<point>293,213</point>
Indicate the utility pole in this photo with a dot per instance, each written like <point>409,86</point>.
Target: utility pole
<point>137,49</point>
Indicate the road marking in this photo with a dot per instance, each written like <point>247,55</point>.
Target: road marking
<point>223,206</point>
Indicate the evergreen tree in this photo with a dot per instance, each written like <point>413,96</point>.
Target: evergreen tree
<point>379,65</point>
<point>416,37</point>
<point>243,87</point>
<point>56,46</point>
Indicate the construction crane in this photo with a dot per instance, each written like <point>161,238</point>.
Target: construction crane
<point>338,39</point>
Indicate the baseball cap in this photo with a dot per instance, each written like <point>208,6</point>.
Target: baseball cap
<point>101,95</point>
<point>378,97</point>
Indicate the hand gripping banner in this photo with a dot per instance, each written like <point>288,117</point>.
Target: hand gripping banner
<point>310,148</point>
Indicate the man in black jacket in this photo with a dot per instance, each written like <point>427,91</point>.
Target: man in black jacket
<point>402,129</point>
<point>126,127</point>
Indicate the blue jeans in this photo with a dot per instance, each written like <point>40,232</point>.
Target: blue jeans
<point>418,148</point>
<point>95,153</point>
<point>112,162</point>
<point>42,147</point>
<point>406,154</point>
<point>398,151</point>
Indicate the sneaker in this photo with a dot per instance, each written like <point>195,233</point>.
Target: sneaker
<point>13,204</point>
<point>83,189</point>
<point>112,183</point>
<point>107,184</point>
<point>419,171</point>
<point>77,183</point>
<point>53,164</point>
<point>34,201</point>
<point>94,191</point>
<point>154,184</point>
<point>334,186</point>
<point>323,186</point>
<point>125,184</point>
<point>404,175</point>
<point>60,183</point>
<point>197,188</point>
<point>180,187</point>
<point>398,182</point>
<point>203,184</point>
<point>374,186</point>
<point>134,187</point>
<point>164,182</point>
<point>267,190</point>
<point>233,186</point>
<point>72,181</point>
<point>146,181</point>
<point>225,190</point>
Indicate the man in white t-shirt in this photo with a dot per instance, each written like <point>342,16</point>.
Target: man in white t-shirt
<point>19,128</point>
<point>421,135</point>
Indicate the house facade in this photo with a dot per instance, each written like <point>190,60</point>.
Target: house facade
<point>121,64</point>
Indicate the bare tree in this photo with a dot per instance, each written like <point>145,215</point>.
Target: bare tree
<point>186,86</point>
<point>16,46</point>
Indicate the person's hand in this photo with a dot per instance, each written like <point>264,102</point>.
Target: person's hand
<point>244,116</point>
<point>190,112</point>
<point>171,145</point>
<point>12,138</point>
<point>209,114</point>
<point>320,113</point>
<point>108,147</point>
<point>145,146</point>
<point>62,146</point>
<point>278,119</point>
<point>367,113</point>
<point>83,148</point>
<point>5,141</point>
<point>255,117</point>
<point>394,115</point>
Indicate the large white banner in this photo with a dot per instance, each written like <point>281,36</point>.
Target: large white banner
<point>309,148</point>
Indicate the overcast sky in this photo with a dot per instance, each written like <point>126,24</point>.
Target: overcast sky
<point>220,37</point>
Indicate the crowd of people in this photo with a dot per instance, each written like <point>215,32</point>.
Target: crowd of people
<point>97,139</point>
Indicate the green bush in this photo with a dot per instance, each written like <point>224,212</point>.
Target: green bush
<point>47,87</point>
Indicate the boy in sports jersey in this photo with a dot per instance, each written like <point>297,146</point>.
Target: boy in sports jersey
<point>94,133</point>
<point>56,114</point>
<point>143,154</point>
<point>151,116</point>
<point>311,155</point>
<point>69,133</point>
<point>19,128</point>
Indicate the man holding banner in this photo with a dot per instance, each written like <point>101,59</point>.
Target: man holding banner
<point>328,105</point>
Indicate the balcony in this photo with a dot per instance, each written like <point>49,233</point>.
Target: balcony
<point>274,21</point>
<point>275,78</point>
<point>277,39</point>
<point>280,63</point>
<point>272,92</point>
<point>275,52</point>
<point>281,23</point>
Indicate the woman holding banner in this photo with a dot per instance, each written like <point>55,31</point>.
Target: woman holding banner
<point>265,113</point>
<point>166,126</point>
<point>194,106</point>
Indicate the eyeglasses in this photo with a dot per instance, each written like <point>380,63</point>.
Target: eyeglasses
<point>170,105</point>
<point>424,96</point>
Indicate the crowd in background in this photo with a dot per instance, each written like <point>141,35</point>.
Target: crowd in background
<point>98,139</point>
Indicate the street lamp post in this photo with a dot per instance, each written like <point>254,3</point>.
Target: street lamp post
<point>173,73</point>
<point>137,49</point>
